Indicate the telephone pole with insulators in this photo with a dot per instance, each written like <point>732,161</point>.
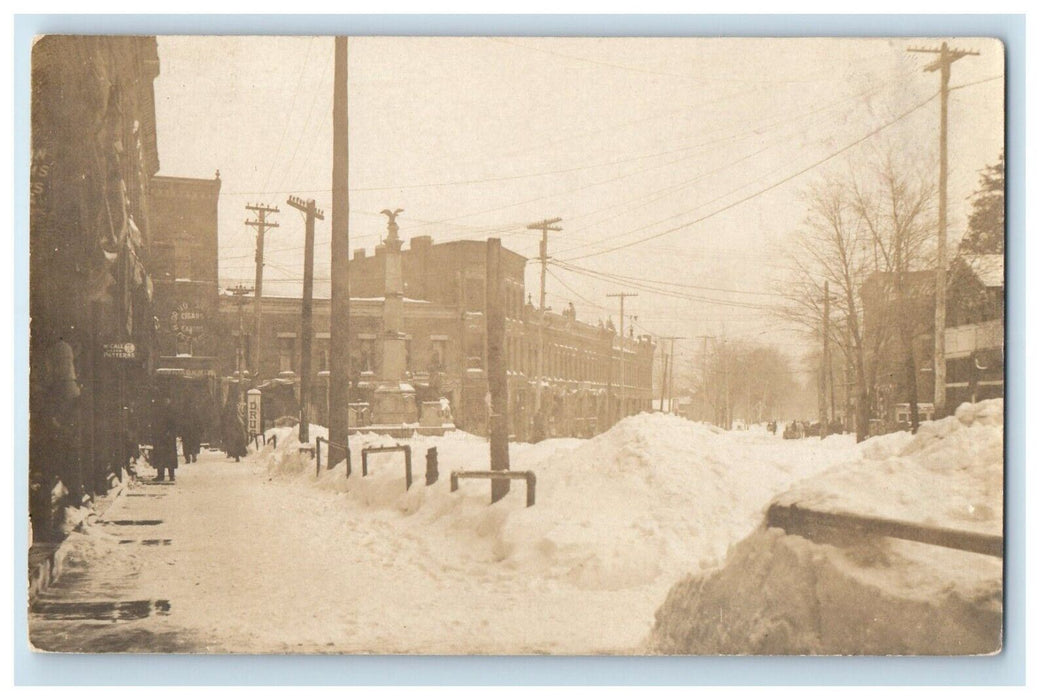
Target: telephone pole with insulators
<point>308,207</point>
<point>240,291</point>
<point>261,225</point>
<point>621,349</point>
<point>946,57</point>
<point>545,226</point>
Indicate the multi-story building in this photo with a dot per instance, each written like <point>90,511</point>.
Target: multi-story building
<point>974,338</point>
<point>446,339</point>
<point>884,310</point>
<point>183,260</point>
<point>974,333</point>
<point>90,289</point>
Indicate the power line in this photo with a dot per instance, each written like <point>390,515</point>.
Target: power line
<point>768,188</point>
<point>669,293</point>
<point>647,71</point>
<point>681,185</point>
<point>671,284</point>
<point>290,112</point>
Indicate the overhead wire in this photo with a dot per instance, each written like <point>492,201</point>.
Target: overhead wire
<point>768,188</point>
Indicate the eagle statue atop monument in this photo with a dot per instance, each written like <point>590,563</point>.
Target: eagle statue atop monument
<point>392,227</point>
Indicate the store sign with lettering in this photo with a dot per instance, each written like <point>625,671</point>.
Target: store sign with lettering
<point>119,351</point>
<point>187,319</point>
<point>254,412</point>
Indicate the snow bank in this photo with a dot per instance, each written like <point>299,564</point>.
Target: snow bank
<point>655,496</point>
<point>779,593</point>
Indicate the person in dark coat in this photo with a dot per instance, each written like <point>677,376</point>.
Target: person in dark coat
<point>234,432</point>
<point>190,436</point>
<point>165,447</point>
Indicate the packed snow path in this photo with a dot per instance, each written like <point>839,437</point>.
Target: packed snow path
<point>264,558</point>
<point>256,565</point>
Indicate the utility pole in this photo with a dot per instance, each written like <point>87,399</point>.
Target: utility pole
<point>665,370</point>
<point>621,351</point>
<point>305,376</point>
<point>260,224</point>
<point>240,291</point>
<point>338,395</point>
<point>545,226</point>
<point>672,360</point>
<point>497,382</point>
<point>822,384</point>
<point>946,57</point>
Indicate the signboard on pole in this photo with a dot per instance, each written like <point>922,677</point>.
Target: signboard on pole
<point>254,412</point>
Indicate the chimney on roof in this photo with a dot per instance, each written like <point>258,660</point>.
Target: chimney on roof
<point>359,253</point>
<point>421,242</point>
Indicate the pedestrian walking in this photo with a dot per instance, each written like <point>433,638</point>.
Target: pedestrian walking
<point>165,447</point>
<point>234,432</point>
<point>190,436</point>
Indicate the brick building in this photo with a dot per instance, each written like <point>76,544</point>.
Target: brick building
<point>974,336</point>
<point>445,327</point>
<point>183,260</point>
<point>90,290</point>
<point>974,333</point>
<point>892,374</point>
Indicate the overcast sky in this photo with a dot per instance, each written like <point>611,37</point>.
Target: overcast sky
<point>624,139</point>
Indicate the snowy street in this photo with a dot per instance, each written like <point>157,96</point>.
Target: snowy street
<point>265,556</point>
<point>260,558</point>
<point>254,564</point>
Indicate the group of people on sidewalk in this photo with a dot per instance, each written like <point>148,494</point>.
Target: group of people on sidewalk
<point>172,424</point>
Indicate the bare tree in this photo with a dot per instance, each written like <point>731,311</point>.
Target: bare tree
<point>745,379</point>
<point>867,224</point>
<point>896,209</point>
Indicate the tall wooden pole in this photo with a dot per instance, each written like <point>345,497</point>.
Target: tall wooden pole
<point>338,394</point>
<point>305,379</point>
<point>261,225</point>
<point>823,394</point>
<point>497,381</point>
<point>545,226</point>
<point>665,371</point>
<point>621,352</point>
<point>672,362</point>
<point>946,57</point>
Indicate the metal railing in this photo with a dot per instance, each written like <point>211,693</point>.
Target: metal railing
<point>330,465</point>
<point>406,449</point>
<point>527,476</point>
<point>815,525</point>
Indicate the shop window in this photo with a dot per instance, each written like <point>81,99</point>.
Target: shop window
<point>437,355</point>
<point>368,354</point>
<point>286,351</point>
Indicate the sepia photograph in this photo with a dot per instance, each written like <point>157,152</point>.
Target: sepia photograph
<point>516,345</point>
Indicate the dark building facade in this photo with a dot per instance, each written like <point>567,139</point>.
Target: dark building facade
<point>974,337</point>
<point>882,308</point>
<point>446,340</point>
<point>183,260</point>
<point>974,333</point>
<point>90,300</point>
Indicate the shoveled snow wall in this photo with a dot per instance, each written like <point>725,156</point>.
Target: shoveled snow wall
<point>784,594</point>
<point>637,506</point>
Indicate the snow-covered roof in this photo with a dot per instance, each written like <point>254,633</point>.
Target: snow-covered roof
<point>988,268</point>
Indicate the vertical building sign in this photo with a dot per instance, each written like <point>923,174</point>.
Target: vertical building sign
<point>254,412</point>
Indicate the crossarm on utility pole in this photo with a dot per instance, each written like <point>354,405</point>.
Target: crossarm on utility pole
<point>545,226</point>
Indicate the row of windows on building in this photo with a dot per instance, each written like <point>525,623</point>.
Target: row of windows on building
<point>560,361</point>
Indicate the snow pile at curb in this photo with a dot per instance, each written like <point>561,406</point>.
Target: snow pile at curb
<point>784,594</point>
<point>635,507</point>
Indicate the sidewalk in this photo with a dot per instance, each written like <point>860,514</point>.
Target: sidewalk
<point>46,558</point>
<point>100,583</point>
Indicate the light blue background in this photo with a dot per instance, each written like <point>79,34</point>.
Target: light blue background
<point>1006,668</point>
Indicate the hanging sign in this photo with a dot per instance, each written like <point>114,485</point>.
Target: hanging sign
<point>119,351</point>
